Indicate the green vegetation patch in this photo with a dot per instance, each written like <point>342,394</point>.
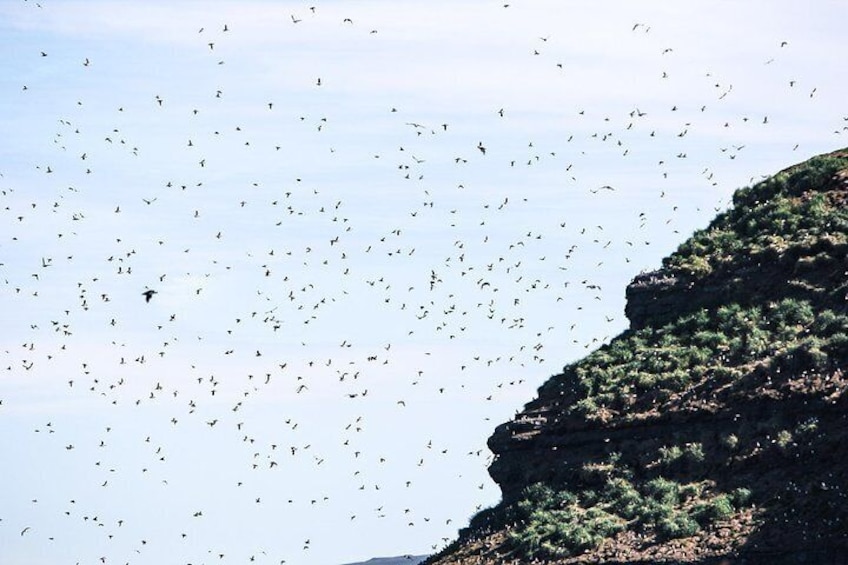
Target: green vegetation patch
<point>785,213</point>
<point>554,523</point>
<point>652,364</point>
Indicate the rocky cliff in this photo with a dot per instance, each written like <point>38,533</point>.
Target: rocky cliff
<point>716,428</point>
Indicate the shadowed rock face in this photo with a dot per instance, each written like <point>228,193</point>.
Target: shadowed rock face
<point>715,429</point>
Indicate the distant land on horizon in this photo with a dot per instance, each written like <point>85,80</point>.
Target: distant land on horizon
<point>402,560</point>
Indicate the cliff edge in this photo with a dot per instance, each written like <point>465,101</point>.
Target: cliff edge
<point>715,429</point>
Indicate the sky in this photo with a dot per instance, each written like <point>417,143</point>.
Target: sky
<point>373,229</point>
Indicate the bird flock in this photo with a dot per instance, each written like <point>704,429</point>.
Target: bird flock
<point>270,276</point>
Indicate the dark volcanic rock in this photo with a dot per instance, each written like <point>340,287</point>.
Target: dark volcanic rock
<point>656,295</point>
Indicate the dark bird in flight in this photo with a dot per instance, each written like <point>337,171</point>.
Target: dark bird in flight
<point>148,294</point>
<point>597,190</point>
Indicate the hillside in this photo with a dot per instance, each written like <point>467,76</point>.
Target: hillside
<point>402,560</point>
<point>715,429</point>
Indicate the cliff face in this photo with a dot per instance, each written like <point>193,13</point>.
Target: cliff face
<point>716,427</point>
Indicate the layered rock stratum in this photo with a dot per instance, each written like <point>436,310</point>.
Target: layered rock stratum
<point>715,429</point>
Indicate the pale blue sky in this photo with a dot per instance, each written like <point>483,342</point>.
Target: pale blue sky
<point>405,291</point>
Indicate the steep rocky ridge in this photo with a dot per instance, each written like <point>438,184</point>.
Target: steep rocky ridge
<point>715,429</point>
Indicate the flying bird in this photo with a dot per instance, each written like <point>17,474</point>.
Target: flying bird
<point>148,295</point>
<point>597,190</point>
